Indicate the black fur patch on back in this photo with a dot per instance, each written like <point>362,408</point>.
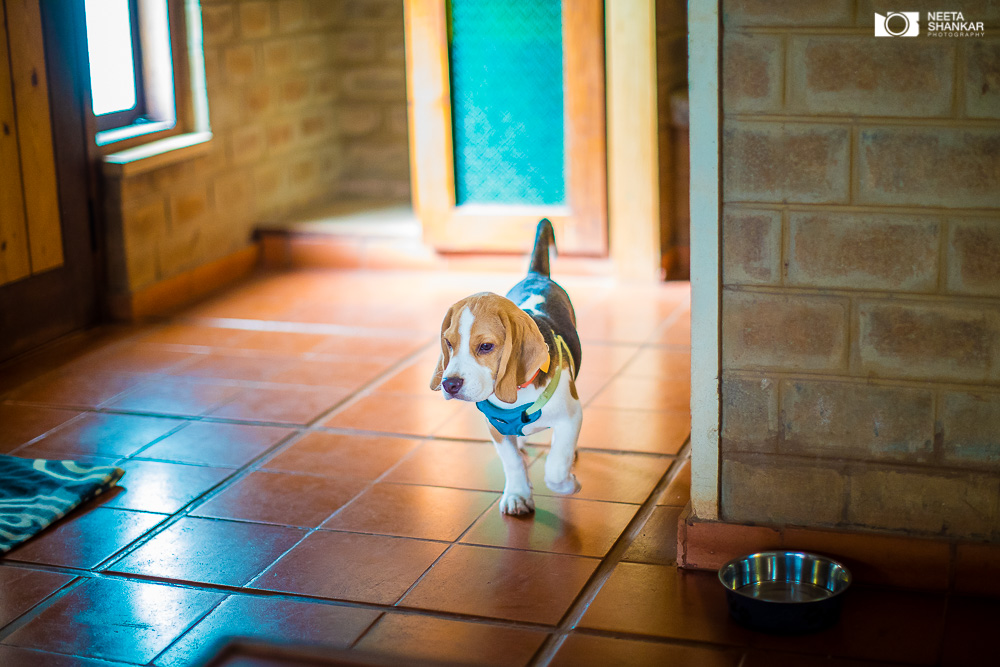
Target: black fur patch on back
<point>553,313</point>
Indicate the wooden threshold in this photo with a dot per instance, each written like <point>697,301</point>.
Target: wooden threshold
<point>386,235</point>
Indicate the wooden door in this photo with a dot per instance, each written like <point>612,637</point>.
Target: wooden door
<point>47,253</point>
<point>456,214</point>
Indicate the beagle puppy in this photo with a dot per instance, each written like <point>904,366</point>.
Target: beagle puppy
<point>517,358</point>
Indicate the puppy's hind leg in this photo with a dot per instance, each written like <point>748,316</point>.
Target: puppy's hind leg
<point>559,463</point>
<point>516,497</point>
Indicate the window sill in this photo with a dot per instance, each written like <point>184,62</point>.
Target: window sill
<point>156,154</point>
<point>108,137</point>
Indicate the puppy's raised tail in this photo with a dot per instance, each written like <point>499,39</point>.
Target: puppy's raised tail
<point>544,238</point>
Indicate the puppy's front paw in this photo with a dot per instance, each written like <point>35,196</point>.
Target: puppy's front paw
<point>566,487</point>
<point>513,504</point>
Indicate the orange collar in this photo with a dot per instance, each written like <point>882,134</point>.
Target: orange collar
<point>544,367</point>
<point>531,380</point>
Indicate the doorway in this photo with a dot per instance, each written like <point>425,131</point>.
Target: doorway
<point>530,105</point>
<point>48,284</point>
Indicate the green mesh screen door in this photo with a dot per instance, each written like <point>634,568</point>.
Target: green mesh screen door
<point>506,66</point>
<point>506,109</point>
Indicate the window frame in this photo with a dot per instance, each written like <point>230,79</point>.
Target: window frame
<point>126,117</point>
<point>166,108</point>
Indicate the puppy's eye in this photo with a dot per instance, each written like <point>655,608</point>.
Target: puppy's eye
<point>448,343</point>
<point>485,348</point>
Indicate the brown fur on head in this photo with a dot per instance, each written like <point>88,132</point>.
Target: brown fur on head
<point>524,351</point>
<point>445,351</point>
<point>518,345</point>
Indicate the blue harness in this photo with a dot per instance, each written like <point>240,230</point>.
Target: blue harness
<point>511,421</point>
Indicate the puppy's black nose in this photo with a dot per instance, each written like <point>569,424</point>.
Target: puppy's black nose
<point>452,385</point>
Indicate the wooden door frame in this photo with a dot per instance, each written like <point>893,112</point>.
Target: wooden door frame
<point>633,140</point>
<point>40,308</point>
<point>450,227</point>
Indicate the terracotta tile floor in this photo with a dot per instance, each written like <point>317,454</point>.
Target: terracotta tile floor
<point>291,477</point>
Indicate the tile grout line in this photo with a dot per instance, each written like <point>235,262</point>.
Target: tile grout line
<point>614,376</point>
<point>185,510</point>
<point>54,429</point>
<point>289,440</point>
<point>364,389</point>
<point>291,326</point>
<point>457,540</point>
<point>236,474</point>
<point>314,426</point>
<point>696,643</point>
<point>371,484</point>
<point>82,576</point>
<point>394,607</point>
<point>359,392</point>
<point>664,324</point>
<point>311,531</point>
<point>39,607</point>
<point>351,646</point>
<point>667,322</point>
<point>288,596</point>
<point>93,409</point>
<point>189,628</point>
<point>447,549</point>
<point>607,565</point>
<point>106,406</point>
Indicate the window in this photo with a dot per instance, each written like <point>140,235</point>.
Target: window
<point>140,69</point>
<point>115,62</point>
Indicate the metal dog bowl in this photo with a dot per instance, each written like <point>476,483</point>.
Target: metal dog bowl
<point>787,592</point>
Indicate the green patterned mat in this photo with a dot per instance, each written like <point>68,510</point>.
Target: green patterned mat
<point>36,492</point>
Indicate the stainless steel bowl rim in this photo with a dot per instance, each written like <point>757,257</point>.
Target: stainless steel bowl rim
<point>785,552</point>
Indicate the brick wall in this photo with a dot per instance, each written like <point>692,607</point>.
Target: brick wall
<point>861,271</point>
<point>307,100</point>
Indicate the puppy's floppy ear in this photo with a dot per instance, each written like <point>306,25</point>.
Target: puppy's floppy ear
<point>524,351</point>
<point>445,355</point>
